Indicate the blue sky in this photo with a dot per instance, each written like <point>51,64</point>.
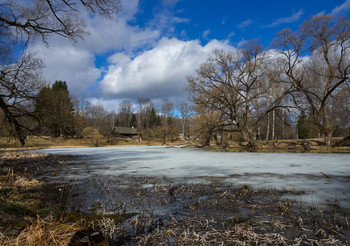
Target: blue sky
<point>155,44</point>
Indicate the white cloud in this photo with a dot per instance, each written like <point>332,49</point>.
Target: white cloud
<point>169,3</point>
<point>71,64</point>
<point>230,35</point>
<point>128,9</point>
<point>119,58</point>
<point>206,34</point>
<point>178,20</point>
<point>242,43</point>
<point>160,72</point>
<point>321,13</point>
<point>110,105</point>
<point>165,21</point>
<point>293,18</point>
<point>107,34</point>
<point>341,8</point>
<point>75,63</point>
<point>245,23</point>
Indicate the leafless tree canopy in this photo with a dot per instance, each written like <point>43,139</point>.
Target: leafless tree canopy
<point>22,22</point>
<point>326,71</point>
<point>125,114</point>
<point>26,20</point>
<point>306,70</point>
<point>20,83</point>
<point>235,85</point>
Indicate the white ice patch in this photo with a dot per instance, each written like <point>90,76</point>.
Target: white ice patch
<point>295,171</point>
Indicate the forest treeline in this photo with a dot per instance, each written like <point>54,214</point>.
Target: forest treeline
<point>298,88</point>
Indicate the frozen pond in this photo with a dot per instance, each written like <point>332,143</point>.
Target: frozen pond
<point>324,177</point>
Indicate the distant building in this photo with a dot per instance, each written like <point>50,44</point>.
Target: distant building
<point>124,132</point>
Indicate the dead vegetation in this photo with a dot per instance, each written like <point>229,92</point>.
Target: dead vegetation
<point>164,211</point>
<point>33,212</point>
<point>171,213</point>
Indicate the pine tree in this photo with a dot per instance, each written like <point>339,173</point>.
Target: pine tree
<point>302,126</point>
<point>55,110</point>
<point>133,121</point>
<point>154,119</point>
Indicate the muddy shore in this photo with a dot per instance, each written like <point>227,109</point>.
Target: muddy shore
<point>165,211</point>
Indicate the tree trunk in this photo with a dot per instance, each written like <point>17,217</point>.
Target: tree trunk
<point>296,125</point>
<point>327,138</point>
<point>268,127</point>
<point>183,129</point>
<point>328,130</point>
<point>18,132</point>
<point>273,124</point>
<point>283,124</point>
<point>207,139</point>
<point>328,133</point>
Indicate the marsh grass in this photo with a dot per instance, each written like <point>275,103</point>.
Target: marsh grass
<point>44,232</point>
<point>35,213</point>
<point>173,213</point>
<point>197,214</point>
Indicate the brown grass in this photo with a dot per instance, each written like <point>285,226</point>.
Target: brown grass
<point>43,232</point>
<point>47,142</point>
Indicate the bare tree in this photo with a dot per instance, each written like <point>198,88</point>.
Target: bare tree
<point>234,84</point>
<point>20,82</point>
<point>185,113</point>
<point>125,113</point>
<point>168,111</point>
<point>27,20</point>
<point>22,22</point>
<point>145,106</point>
<point>97,113</point>
<point>319,77</point>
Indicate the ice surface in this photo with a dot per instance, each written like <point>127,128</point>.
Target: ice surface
<point>296,171</point>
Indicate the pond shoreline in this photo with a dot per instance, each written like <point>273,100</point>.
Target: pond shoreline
<point>316,145</point>
<point>196,210</point>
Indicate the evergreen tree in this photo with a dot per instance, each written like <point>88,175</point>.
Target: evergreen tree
<point>133,121</point>
<point>55,110</point>
<point>154,119</point>
<point>116,122</point>
<point>302,126</point>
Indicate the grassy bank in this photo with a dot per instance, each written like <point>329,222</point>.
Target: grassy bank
<point>49,142</point>
<point>315,145</point>
<point>33,212</point>
<point>292,145</point>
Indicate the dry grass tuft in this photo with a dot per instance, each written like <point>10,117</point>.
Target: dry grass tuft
<point>43,232</point>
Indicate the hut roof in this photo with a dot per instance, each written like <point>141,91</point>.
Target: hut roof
<point>125,130</point>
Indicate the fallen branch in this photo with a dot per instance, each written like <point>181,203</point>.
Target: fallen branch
<point>325,175</point>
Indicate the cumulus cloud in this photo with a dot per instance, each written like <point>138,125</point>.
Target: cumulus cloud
<point>107,35</point>
<point>71,64</point>
<point>160,72</point>
<point>75,63</point>
<point>341,8</point>
<point>119,58</point>
<point>293,18</point>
